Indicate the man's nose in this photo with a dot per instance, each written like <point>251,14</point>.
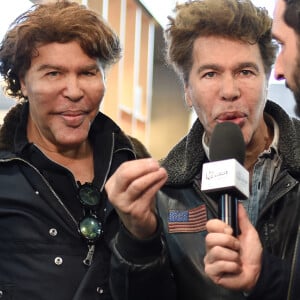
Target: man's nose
<point>229,89</point>
<point>72,89</point>
<point>279,68</point>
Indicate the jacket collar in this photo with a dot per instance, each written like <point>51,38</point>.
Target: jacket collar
<point>184,161</point>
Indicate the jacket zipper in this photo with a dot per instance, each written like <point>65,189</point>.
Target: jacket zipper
<point>91,247</point>
<point>46,182</point>
<point>205,199</point>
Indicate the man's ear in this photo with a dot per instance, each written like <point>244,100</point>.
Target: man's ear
<point>187,97</point>
<point>23,87</point>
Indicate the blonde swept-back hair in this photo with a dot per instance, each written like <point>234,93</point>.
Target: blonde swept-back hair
<point>60,22</point>
<point>233,19</point>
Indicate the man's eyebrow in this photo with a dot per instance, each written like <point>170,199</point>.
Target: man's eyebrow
<point>59,67</point>
<point>248,65</point>
<point>218,67</point>
<point>47,67</point>
<point>91,67</point>
<point>208,67</point>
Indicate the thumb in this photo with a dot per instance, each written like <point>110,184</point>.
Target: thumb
<point>244,222</point>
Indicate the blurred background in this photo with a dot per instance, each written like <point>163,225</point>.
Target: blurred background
<point>143,96</point>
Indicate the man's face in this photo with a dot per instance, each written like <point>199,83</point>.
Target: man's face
<point>227,82</point>
<point>64,88</point>
<point>296,78</point>
<point>287,64</point>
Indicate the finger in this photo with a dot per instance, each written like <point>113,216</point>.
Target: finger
<point>231,280</point>
<point>221,240</point>
<point>141,193</point>
<point>138,197</point>
<point>216,225</point>
<point>218,253</point>
<point>129,171</point>
<point>147,182</point>
<point>221,269</point>
<point>243,219</point>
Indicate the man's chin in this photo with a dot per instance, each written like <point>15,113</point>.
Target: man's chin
<point>295,89</point>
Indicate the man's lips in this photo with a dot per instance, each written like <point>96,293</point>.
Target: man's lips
<point>235,117</point>
<point>72,112</point>
<point>73,118</point>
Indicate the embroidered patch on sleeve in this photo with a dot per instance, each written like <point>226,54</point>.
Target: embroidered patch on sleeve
<point>193,220</point>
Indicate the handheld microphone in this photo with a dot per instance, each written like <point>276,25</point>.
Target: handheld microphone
<point>225,175</point>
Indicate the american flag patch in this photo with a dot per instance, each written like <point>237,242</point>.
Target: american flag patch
<point>193,220</point>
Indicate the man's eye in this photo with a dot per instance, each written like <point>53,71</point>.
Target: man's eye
<point>209,74</point>
<point>52,73</point>
<point>89,73</point>
<point>246,72</point>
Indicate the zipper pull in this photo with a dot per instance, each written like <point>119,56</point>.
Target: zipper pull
<point>89,257</point>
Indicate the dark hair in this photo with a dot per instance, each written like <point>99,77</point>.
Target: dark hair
<point>292,14</point>
<point>234,19</point>
<point>60,22</point>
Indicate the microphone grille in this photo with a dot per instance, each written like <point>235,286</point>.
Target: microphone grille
<point>227,142</point>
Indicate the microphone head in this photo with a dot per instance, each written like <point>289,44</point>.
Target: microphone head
<point>227,142</point>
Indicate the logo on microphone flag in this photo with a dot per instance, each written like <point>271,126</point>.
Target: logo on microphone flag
<point>193,220</point>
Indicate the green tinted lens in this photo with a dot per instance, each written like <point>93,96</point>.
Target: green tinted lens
<point>90,228</point>
<point>89,195</point>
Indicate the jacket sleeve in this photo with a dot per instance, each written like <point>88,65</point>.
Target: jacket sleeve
<point>273,281</point>
<point>140,269</point>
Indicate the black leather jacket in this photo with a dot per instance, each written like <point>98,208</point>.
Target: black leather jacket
<point>277,223</point>
<point>41,252</point>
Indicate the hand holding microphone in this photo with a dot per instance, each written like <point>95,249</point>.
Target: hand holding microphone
<point>240,254</point>
<point>225,175</point>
